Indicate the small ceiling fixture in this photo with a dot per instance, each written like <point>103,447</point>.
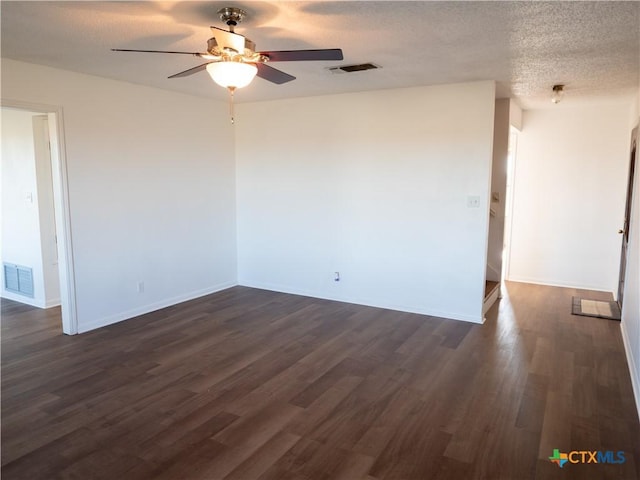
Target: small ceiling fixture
<point>558,93</point>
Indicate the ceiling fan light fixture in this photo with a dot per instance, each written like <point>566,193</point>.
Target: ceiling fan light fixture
<point>232,74</point>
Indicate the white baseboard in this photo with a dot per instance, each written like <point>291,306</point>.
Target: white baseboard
<point>22,299</point>
<point>367,302</point>
<point>31,301</point>
<point>488,303</point>
<point>536,281</point>
<point>55,302</point>
<point>633,367</point>
<point>119,317</point>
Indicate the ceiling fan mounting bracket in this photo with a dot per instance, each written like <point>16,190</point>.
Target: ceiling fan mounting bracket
<point>231,16</point>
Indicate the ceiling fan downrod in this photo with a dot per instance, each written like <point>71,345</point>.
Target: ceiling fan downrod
<point>231,16</point>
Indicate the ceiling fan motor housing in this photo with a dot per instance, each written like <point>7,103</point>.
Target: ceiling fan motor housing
<point>224,52</point>
<point>231,16</point>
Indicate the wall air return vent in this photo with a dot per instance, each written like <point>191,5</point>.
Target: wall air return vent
<point>354,68</point>
<point>18,279</point>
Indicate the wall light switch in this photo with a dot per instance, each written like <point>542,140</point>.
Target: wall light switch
<point>473,201</point>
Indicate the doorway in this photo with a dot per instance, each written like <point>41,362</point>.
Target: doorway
<point>627,216</point>
<point>56,252</point>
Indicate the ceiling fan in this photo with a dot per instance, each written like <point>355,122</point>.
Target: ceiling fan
<point>232,59</point>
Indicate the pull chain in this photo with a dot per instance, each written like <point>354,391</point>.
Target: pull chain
<point>231,104</point>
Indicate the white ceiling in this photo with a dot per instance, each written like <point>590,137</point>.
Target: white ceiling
<point>592,47</point>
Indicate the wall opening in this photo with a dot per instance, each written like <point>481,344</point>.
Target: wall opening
<point>35,227</point>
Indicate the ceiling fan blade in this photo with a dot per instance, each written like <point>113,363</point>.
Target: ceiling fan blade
<point>273,74</point>
<point>191,71</point>
<point>231,40</point>
<point>196,54</point>
<point>301,55</point>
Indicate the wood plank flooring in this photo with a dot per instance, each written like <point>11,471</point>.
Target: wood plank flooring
<point>249,384</point>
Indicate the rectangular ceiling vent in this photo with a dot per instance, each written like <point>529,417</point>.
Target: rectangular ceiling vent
<point>354,68</point>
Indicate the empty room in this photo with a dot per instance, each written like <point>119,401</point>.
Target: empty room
<point>320,240</point>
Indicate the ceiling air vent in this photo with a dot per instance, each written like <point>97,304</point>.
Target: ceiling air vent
<point>354,68</point>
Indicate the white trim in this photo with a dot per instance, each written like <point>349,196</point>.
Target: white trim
<point>65,245</point>
<point>536,281</point>
<point>119,317</point>
<point>367,302</point>
<point>55,302</point>
<point>491,299</point>
<point>635,375</point>
<point>509,200</point>
<point>29,301</point>
<point>16,297</point>
<point>62,209</point>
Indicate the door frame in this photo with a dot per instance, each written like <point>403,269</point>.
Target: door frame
<point>627,216</point>
<point>509,200</point>
<point>59,173</point>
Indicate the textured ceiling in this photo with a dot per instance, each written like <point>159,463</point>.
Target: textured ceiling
<point>526,47</point>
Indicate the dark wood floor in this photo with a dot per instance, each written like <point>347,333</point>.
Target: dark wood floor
<point>248,384</point>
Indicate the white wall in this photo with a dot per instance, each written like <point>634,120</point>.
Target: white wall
<point>151,190</point>
<point>515,115</point>
<point>631,306</point>
<point>20,229</point>
<point>569,192</point>
<point>46,212</point>
<point>373,185</point>
<point>499,187</point>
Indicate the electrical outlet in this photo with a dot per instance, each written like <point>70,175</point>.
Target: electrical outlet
<point>473,201</point>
